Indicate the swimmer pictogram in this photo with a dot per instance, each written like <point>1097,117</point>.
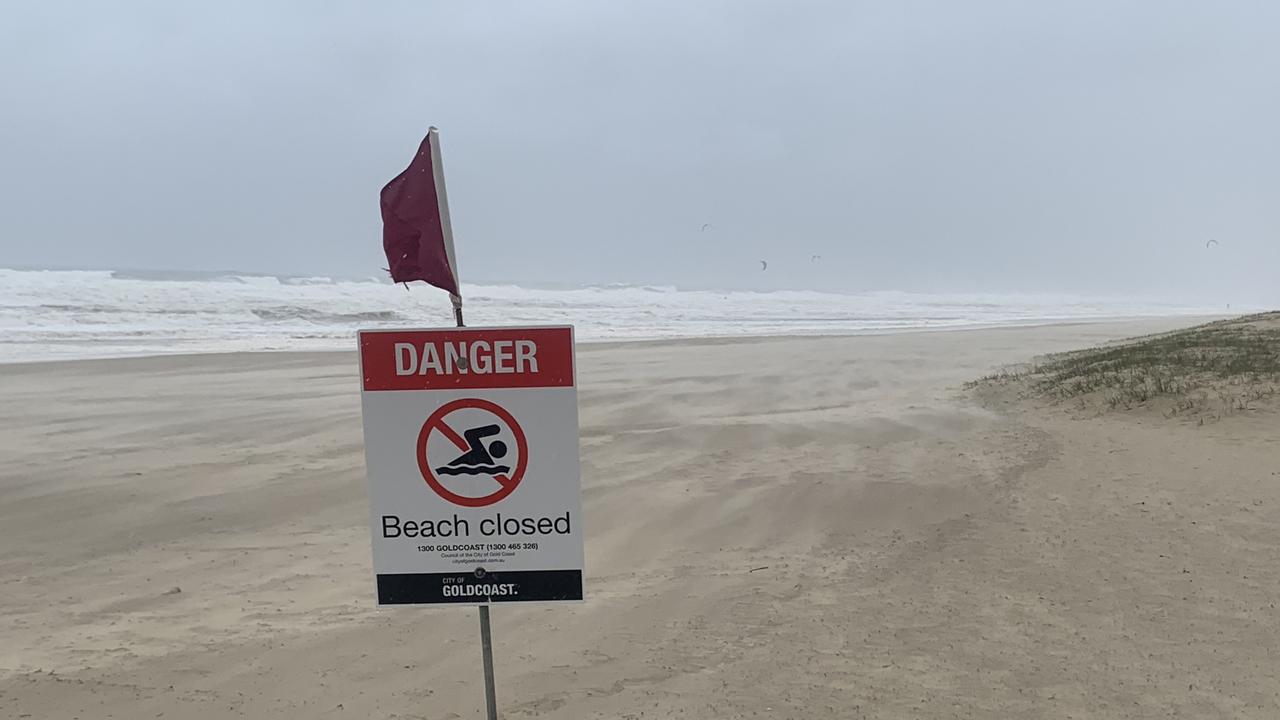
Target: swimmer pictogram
<point>478,459</point>
<point>490,467</point>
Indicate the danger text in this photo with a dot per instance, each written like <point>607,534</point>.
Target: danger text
<point>481,357</point>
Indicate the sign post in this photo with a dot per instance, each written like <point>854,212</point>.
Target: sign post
<point>486,650</point>
<point>471,445</point>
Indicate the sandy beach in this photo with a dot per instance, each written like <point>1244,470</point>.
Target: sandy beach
<point>777,528</point>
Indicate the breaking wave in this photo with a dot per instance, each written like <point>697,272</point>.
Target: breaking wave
<point>316,316</point>
<point>62,314</point>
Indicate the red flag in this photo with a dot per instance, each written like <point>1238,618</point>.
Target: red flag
<point>416,234</point>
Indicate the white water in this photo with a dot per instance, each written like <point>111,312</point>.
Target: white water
<point>46,314</point>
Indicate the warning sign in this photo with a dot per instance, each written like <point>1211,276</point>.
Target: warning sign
<point>471,444</point>
<point>484,450</point>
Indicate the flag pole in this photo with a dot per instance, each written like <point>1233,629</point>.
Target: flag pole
<point>446,226</point>
<point>486,650</point>
<point>442,197</point>
<point>402,235</point>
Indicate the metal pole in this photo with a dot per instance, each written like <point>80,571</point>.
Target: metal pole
<point>486,638</point>
<point>486,646</point>
<point>486,635</point>
<point>457,308</point>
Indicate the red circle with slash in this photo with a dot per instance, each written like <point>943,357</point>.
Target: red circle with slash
<point>437,423</point>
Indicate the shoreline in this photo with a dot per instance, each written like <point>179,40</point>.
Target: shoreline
<point>592,344</point>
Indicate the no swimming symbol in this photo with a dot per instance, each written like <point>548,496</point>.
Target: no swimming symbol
<point>462,439</point>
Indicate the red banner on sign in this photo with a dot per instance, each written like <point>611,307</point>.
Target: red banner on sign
<point>466,358</point>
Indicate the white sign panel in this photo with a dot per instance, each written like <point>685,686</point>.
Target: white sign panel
<point>471,444</point>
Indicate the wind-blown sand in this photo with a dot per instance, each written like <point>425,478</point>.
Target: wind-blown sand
<point>781,528</point>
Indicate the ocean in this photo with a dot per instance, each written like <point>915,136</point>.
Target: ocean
<point>63,314</point>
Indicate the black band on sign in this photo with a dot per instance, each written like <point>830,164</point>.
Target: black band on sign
<point>463,587</point>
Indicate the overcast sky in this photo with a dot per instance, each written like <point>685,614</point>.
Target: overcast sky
<point>992,146</point>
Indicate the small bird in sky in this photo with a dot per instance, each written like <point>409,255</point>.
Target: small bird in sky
<point>705,227</point>
<point>763,266</point>
<point>815,258</point>
<point>1211,243</point>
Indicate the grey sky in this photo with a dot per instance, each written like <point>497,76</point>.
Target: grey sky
<point>1015,146</point>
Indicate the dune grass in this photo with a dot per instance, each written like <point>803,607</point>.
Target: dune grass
<point>1222,367</point>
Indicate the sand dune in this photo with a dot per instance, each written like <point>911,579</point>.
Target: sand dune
<point>777,528</point>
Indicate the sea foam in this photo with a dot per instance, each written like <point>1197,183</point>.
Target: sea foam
<point>60,314</point>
